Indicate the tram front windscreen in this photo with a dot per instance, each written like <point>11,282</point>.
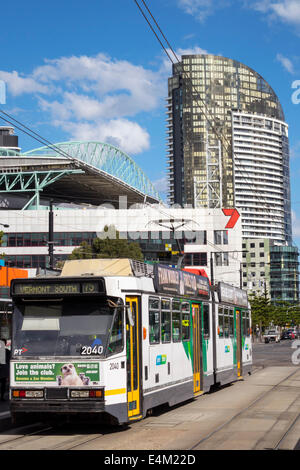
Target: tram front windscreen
<point>68,327</point>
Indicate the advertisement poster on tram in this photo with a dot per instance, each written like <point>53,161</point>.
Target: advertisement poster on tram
<point>57,374</point>
<point>176,282</point>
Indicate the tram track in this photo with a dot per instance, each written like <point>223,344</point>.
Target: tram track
<point>24,441</point>
<point>238,415</point>
<point>280,426</point>
<point>279,446</point>
<point>49,433</point>
<point>26,434</point>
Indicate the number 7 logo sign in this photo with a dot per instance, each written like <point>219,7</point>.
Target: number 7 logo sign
<point>234,216</point>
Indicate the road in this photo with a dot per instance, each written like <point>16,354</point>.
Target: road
<point>273,354</point>
<point>259,412</point>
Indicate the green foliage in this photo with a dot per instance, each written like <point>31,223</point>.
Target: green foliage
<point>261,310</point>
<point>110,247</point>
<point>280,314</point>
<point>85,251</point>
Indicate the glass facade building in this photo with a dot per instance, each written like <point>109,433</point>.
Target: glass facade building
<point>228,147</point>
<point>284,276</point>
<point>207,95</point>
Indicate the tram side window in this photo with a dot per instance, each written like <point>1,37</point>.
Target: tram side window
<point>165,321</point>
<point>220,320</point>
<point>226,323</point>
<point>231,323</point>
<point>176,324</point>
<point>185,315</point>
<point>154,321</point>
<point>116,342</point>
<point>206,329</point>
<point>246,323</point>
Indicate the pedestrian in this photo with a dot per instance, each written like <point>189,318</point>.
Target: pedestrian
<point>4,372</point>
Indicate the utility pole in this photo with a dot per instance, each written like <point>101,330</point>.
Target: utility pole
<point>211,269</point>
<point>241,276</point>
<point>50,240</point>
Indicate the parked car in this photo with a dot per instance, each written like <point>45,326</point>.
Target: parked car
<point>291,333</point>
<point>271,335</point>
<point>285,335</point>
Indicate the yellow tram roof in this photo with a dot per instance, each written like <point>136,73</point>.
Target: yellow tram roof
<point>97,267</point>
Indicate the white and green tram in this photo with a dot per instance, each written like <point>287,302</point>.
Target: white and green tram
<point>116,338</point>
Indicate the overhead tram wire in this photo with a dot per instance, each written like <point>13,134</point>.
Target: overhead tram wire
<point>43,141</point>
<point>221,136</point>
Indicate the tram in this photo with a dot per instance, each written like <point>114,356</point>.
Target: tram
<point>116,338</point>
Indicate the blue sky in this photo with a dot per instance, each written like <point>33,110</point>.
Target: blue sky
<point>95,71</point>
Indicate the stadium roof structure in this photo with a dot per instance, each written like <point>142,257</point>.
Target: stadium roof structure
<point>78,172</point>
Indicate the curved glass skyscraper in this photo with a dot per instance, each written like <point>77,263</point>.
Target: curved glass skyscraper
<point>227,144</point>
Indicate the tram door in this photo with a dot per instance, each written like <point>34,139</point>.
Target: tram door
<point>238,320</point>
<point>197,347</point>
<point>133,359</point>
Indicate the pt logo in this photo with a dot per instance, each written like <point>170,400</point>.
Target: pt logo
<point>19,352</point>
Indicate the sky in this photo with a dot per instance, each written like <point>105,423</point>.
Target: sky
<point>95,71</point>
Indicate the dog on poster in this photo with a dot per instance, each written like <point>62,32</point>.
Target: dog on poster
<point>69,376</point>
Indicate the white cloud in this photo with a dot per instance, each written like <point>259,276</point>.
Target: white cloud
<point>103,75</point>
<point>122,133</point>
<point>285,10</point>
<point>18,85</point>
<point>287,63</point>
<point>288,10</point>
<point>201,9</point>
<point>95,97</point>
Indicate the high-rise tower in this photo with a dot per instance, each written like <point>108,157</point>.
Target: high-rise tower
<point>228,144</point>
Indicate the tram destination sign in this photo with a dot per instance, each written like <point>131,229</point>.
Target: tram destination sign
<point>176,282</point>
<point>48,288</point>
<point>232,295</point>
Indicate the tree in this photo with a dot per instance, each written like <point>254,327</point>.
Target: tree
<point>286,314</point>
<point>85,251</point>
<point>108,247</point>
<point>280,314</point>
<point>261,310</point>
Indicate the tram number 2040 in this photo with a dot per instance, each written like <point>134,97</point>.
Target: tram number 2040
<point>91,350</point>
